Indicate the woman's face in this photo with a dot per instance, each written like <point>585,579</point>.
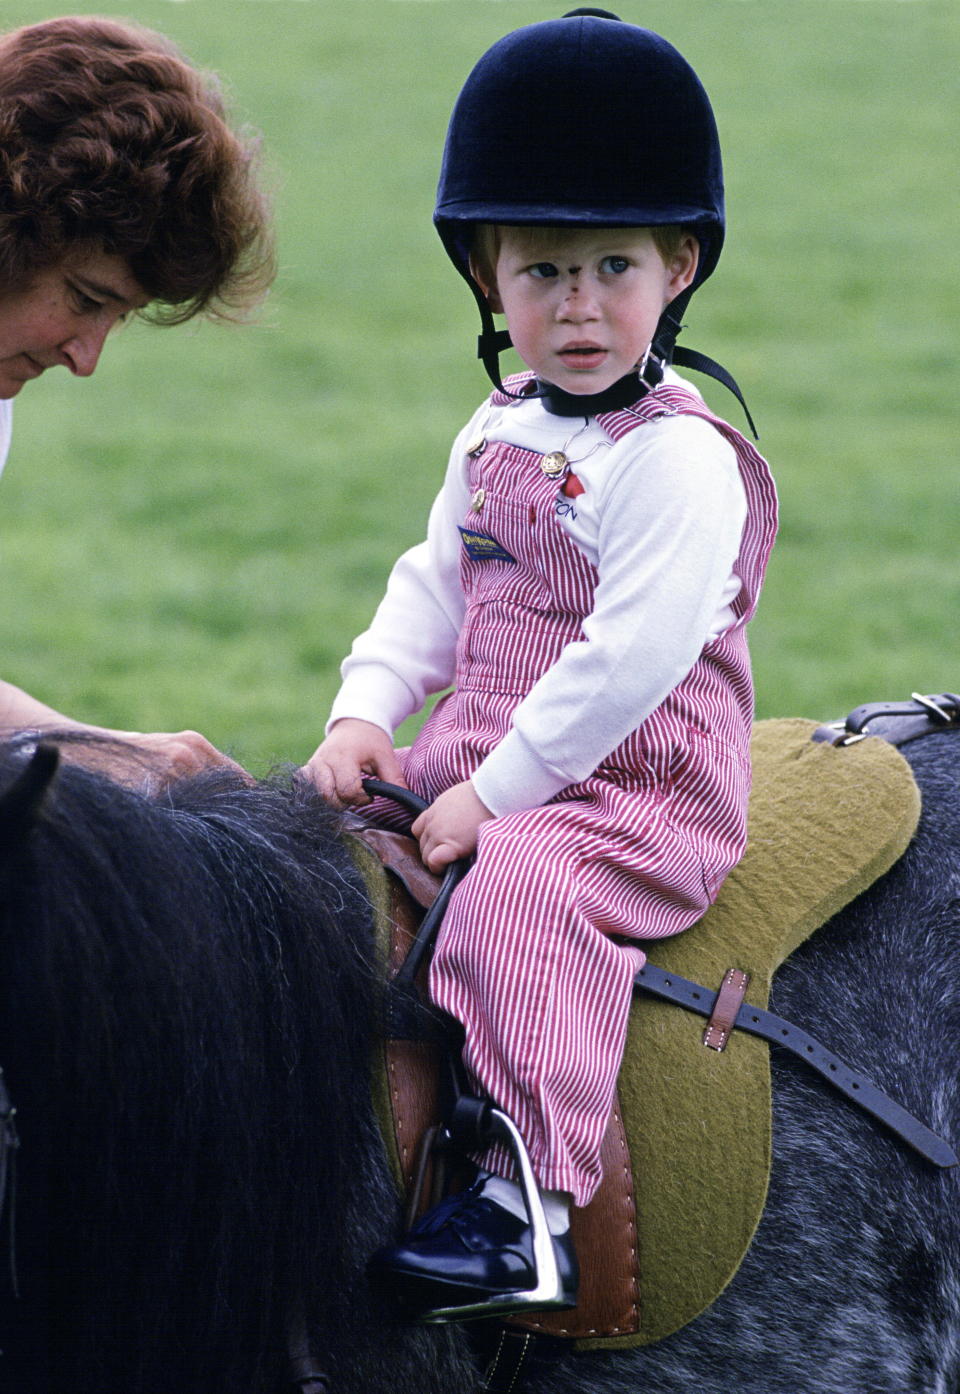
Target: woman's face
<point>63,318</point>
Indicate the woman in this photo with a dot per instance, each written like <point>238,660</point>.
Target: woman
<point>122,191</point>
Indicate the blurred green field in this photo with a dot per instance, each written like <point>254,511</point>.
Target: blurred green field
<point>194,536</point>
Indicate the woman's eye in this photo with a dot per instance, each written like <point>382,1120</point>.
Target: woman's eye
<point>543,269</point>
<point>615,264</point>
<point>86,304</point>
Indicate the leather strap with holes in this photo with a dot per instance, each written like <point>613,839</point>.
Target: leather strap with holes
<point>758,1022</point>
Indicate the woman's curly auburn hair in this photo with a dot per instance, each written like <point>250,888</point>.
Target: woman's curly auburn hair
<point>110,140</point>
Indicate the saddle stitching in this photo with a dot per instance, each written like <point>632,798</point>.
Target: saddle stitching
<point>399,1113</point>
<point>627,1200</point>
<point>492,1380</point>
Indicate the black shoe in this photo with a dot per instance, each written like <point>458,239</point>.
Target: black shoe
<point>469,1250</point>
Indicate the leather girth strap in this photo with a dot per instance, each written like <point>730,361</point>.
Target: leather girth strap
<point>759,1022</point>
<point>513,1362</point>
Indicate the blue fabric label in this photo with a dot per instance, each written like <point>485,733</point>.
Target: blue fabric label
<point>480,546</point>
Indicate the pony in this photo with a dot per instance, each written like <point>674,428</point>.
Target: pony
<point>189,998</point>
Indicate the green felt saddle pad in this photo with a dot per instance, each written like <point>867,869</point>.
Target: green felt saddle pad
<point>825,822</point>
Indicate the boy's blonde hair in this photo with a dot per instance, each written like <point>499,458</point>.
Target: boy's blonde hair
<point>487,237</point>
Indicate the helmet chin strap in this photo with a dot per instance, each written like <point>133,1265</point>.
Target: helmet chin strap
<point>663,351</point>
<point>492,342</point>
<point>622,393</point>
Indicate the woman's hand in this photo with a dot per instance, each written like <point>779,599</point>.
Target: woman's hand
<point>147,761</point>
<point>162,755</point>
<point>175,754</point>
<point>353,749</point>
<point>448,829</point>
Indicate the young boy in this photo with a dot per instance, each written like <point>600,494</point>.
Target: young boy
<point>590,566</point>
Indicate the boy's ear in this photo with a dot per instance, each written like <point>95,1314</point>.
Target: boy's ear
<point>683,264</point>
<point>487,285</point>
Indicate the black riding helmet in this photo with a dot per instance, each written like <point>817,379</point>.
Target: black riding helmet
<point>582,121</point>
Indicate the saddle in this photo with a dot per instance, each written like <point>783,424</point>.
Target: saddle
<point>686,1157</point>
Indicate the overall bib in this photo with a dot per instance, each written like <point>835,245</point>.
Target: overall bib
<point>539,947</point>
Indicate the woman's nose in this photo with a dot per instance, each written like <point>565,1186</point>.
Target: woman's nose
<point>82,351</point>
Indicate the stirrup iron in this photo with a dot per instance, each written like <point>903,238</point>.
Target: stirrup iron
<point>488,1124</point>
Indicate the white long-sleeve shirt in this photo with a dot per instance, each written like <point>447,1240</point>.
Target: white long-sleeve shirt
<point>661,518</point>
<point>6,426</point>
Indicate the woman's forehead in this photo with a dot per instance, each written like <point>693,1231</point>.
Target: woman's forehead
<point>110,276</point>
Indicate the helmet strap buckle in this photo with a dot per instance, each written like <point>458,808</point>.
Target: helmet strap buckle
<point>652,367</point>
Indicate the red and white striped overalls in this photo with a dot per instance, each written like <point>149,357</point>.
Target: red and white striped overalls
<point>534,957</point>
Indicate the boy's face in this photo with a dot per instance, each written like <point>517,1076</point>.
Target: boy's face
<point>582,304</point>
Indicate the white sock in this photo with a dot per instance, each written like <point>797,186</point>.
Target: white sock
<point>556,1204</point>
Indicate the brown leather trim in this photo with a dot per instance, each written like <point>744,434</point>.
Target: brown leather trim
<point>412,1066</point>
<point>725,1009</point>
<point>605,1237</point>
<point>401,855</point>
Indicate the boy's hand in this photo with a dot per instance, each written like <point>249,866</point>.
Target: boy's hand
<point>353,748</point>
<point>448,829</point>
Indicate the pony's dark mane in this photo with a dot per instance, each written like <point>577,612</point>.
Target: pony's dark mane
<point>211,911</point>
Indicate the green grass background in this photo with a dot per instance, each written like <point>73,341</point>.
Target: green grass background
<point>194,536</point>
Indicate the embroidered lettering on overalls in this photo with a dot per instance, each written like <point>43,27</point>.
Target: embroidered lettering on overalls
<point>480,546</point>
<point>570,489</point>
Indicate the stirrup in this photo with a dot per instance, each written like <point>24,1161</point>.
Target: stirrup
<point>478,1123</point>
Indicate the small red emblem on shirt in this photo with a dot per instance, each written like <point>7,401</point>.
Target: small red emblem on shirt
<point>572,486</point>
